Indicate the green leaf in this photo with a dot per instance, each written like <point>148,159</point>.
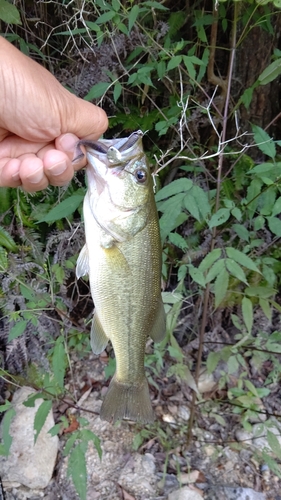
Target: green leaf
<point>155,5</point>
<point>161,69</point>
<point>170,221</point>
<point>64,209</point>
<point>190,67</point>
<point>202,200</point>
<point>27,292</point>
<point>3,260</point>
<point>70,442</point>
<point>241,258</point>
<point>192,207</point>
<point>40,417</point>
<point>236,321</point>
<point>87,435</point>
<point>236,212</point>
<point>221,216</point>
<point>55,430</point>
<point>110,368</point>
<point>235,270</point>
<point>270,73</point>
<point>215,270</point>
<point>59,362</point>
<point>232,365</point>
<point>6,406</point>
<point>212,361</point>
<point>196,275</point>
<point>247,313</point>
<point>116,5</point>
<point>7,438</point>
<point>260,291</point>
<point>174,62</point>
<point>266,308</point>
<point>264,142</point>
<point>277,207</point>
<point>9,13</point>
<point>77,469</point>
<point>105,17</point>
<point>117,91</point>
<point>30,401</point>
<point>274,443</point>
<point>274,225</point>
<point>178,186</point>
<point>133,14</point>
<point>241,231</point>
<point>97,91</point>
<point>177,240</point>
<point>252,199</point>
<point>17,330</point>
<point>208,261</point>
<point>259,222</point>
<point>246,97</point>
<point>221,286</point>
<point>7,241</point>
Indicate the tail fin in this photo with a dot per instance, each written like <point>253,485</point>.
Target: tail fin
<point>127,401</point>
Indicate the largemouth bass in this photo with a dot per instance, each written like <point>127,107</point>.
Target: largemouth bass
<point>122,256</point>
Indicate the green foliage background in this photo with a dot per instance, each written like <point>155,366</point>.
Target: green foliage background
<point>196,79</point>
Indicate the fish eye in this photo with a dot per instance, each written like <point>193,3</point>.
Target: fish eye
<point>140,175</point>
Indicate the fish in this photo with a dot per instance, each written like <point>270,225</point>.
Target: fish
<point>122,256</point>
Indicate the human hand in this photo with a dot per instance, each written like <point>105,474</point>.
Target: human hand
<point>40,123</point>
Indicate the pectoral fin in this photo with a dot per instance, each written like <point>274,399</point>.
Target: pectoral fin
<point>117,260</point>
<point>158,330</point>
<point>98,338</point>
<point>82,265</point>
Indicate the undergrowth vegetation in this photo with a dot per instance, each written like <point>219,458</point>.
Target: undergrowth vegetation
<point>212,134</point>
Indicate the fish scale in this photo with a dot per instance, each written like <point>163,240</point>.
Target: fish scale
<point>122,256</point>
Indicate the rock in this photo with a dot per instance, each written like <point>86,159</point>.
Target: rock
<point>188,477</point>
<point>169,419</point>
<point>184,493</point>
<point>184,413</point>
<point>29,464</point>
<point>209,450</point>
<point>243,436</point>
<point>206,381</point>
<point>138,475</point>
<point>218,492</point>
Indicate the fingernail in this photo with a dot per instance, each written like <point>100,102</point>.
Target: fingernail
<point>16,177</point>
<point>58,168</point>
<point>36,176</point>
<point>68,142</point>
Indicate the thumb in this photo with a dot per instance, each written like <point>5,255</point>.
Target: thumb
<point>82,118</point>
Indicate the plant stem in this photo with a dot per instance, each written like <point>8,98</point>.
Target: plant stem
<point>214,231</point>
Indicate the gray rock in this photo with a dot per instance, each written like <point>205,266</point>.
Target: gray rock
<point>243,436</point>
<point>231,493</point>
<point>184,493</point>
<point>29,464</point>
<point>184,413</point>
<point>138,475</point>
<point>206,382</point>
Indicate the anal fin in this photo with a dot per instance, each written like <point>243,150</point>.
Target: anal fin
<point>158,330</point>
<point>82,265</point>
<point>99,339</point>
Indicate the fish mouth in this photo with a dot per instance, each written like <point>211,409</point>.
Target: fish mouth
<point>113,153</point>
